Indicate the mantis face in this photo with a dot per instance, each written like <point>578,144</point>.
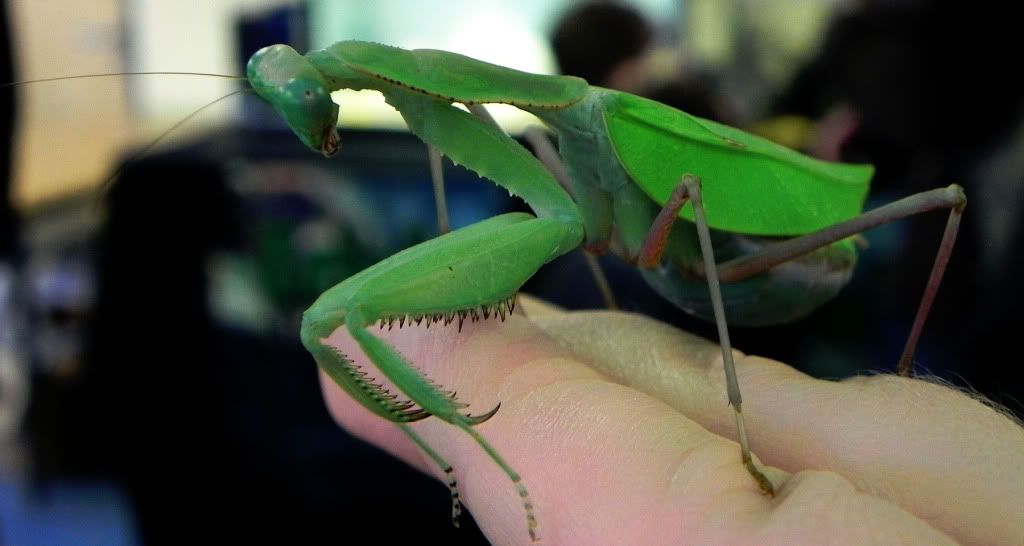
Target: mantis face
<point>299,93</point>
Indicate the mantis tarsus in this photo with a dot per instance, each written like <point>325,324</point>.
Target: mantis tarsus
<point>780,220</point>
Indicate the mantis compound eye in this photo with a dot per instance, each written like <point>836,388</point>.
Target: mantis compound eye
<point>307,107</point>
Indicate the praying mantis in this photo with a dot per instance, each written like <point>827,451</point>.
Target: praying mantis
<point>659,188</point>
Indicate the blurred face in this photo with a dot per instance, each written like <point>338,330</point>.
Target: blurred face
<point>630,76</point>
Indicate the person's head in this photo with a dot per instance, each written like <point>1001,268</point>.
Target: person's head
<point>602,42</point>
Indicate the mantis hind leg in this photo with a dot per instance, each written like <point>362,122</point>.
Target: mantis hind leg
<point>951,197</point>
<point>739,269</point>
<point>650,254</point>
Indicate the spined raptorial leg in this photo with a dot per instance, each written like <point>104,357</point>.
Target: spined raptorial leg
<point>374,396</point>
<point>464,275</point>
<point>649,256</point>
<point>951,197</point>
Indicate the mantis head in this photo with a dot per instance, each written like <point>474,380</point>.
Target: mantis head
<point>299,93</point>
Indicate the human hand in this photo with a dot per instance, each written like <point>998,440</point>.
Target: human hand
<point>635,446</point>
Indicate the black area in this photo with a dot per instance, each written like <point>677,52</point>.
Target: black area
<point>280,25</point>
<point>8,108</point>
<point>593,38</point>
<point>936,95</point>
<point>213,432</point>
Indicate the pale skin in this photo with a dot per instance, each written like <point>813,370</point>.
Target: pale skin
<point>618,421</point>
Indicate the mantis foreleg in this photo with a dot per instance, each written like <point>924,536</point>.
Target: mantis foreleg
<point>464,274</point>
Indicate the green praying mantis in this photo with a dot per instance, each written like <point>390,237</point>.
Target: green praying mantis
<point>720,222</point>
<point>780,222</point>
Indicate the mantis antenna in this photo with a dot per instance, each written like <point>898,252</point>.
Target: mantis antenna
<point>105,186</point>
<point>109,74</point>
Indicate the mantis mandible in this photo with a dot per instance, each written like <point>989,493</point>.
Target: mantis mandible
<point>782,221</point>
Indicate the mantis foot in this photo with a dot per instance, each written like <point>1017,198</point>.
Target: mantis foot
<point>762,481</point>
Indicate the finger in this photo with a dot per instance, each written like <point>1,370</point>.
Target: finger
<point>935,451</point>
<point>605,464</point>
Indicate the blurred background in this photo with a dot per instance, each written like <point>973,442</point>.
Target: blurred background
<point>152,385</point>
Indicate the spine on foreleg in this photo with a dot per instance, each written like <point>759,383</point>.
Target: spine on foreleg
<point>500,309</point>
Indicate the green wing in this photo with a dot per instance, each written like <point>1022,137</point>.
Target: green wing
<point>750,184</point>
<point>458,78</point>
